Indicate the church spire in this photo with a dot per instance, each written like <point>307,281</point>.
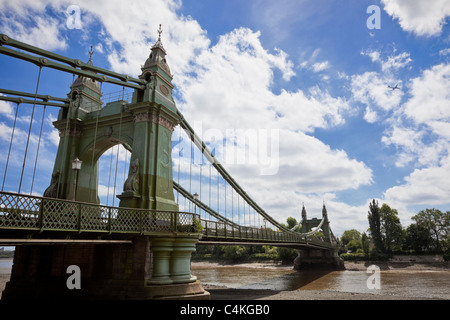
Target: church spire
<point>303,212</point>
<point>324,211</point>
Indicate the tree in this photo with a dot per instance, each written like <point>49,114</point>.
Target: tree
<point>417,238</point>
<point>292,222</point>
<point>365,243</point>
<point>436,222</point>
<point>375,225</point>
<point>354,245</point>
<point>390,228</point>
<point>350,235</point>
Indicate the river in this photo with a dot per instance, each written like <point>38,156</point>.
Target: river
<point>402,283</point>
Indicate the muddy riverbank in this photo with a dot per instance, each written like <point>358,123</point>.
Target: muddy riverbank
<point>276,281</point>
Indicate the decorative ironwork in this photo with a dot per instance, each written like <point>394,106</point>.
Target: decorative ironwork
<point>48,214</point>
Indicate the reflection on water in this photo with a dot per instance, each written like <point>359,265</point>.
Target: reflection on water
<point>425,284</point>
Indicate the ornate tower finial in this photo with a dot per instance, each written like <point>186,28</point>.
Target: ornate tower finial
<point>303,212</point>
<point>91,52</point>
<point>159,32</point>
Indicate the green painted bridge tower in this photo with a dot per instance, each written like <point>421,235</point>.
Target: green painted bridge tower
<point>143,127</point>
<point>310,257</point>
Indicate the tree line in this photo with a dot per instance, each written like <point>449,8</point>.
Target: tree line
<point>428,233</point>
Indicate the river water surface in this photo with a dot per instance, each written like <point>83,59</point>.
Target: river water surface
<point>434,284</point>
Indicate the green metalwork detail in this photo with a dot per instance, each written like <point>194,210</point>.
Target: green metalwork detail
<point>19,211</point>
<point>215,231</point>
<point>87,69</point>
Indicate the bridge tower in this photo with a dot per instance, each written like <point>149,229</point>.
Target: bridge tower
<point>144,127</point>
<point>152,266</point>
<point>313,258</point>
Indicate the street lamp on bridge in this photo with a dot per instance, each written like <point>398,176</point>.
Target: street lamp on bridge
<point>195,195</point>
<point>76,166</point>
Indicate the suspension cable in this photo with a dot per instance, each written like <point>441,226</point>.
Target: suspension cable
<point>109,176</point>
<point>37,152</point>
<point>179,163</point>
<point>95,140</point>
<point>118,146</point>
<point>10,144</point>
<point>190,173</point>
<point>29,130</point>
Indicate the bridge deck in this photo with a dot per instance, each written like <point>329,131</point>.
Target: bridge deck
<point>28,219</point>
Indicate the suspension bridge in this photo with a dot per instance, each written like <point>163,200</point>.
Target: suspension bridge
<point>169,202</point>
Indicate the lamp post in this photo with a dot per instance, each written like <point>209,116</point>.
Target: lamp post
<point>195,195</point>
<point>76,166</point>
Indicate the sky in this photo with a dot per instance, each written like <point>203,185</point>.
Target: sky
<point>307,82</point>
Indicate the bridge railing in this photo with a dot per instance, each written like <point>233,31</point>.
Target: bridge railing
<point>18,211</point>
<point>219,230</point>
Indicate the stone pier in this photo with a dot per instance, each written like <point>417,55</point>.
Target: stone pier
<point>309,258</point>
<point>148,268</point>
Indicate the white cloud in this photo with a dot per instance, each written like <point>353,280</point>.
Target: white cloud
<point>444,52</point>
<point>312,63</point>
<point>232,90</point>
<point>426,139</point>
<point>422,17</point>
<point>26,22</point>
<point>392,62</point>
<point>320,66</point>
<point>370,88</point>
<point>430,95</point>
<point>428,186</point>
<point>370,115</point>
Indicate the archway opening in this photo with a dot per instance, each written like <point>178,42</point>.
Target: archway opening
<point>113,166</point>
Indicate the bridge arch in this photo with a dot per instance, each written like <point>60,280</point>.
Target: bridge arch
<point>90,175</point>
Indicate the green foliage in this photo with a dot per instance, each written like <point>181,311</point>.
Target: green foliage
<point>360,256</point>
<point>354,245</point>
<point>447,255</point>
<point>350,235</point>
<point>235,253</point>
<point>417,238</point>
<point>375,225</point>
<point>438,224</point>
<point>286,254</point>
<point>365,243</point>
<point>291,222</point>
<point>353,256</point>
<point>197,225</point>
<point>391,229</point>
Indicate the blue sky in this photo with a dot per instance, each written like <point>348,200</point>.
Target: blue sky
<point>310,71</point>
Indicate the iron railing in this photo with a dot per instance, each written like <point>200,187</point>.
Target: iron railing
<point>220,231</point>
<point>18,211</point>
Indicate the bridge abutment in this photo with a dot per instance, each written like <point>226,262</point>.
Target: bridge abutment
<point>148,268</point>
<point>310,258</point>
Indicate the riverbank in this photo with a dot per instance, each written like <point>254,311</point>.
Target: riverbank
<point>350,266</point>
<point>220,292</point>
